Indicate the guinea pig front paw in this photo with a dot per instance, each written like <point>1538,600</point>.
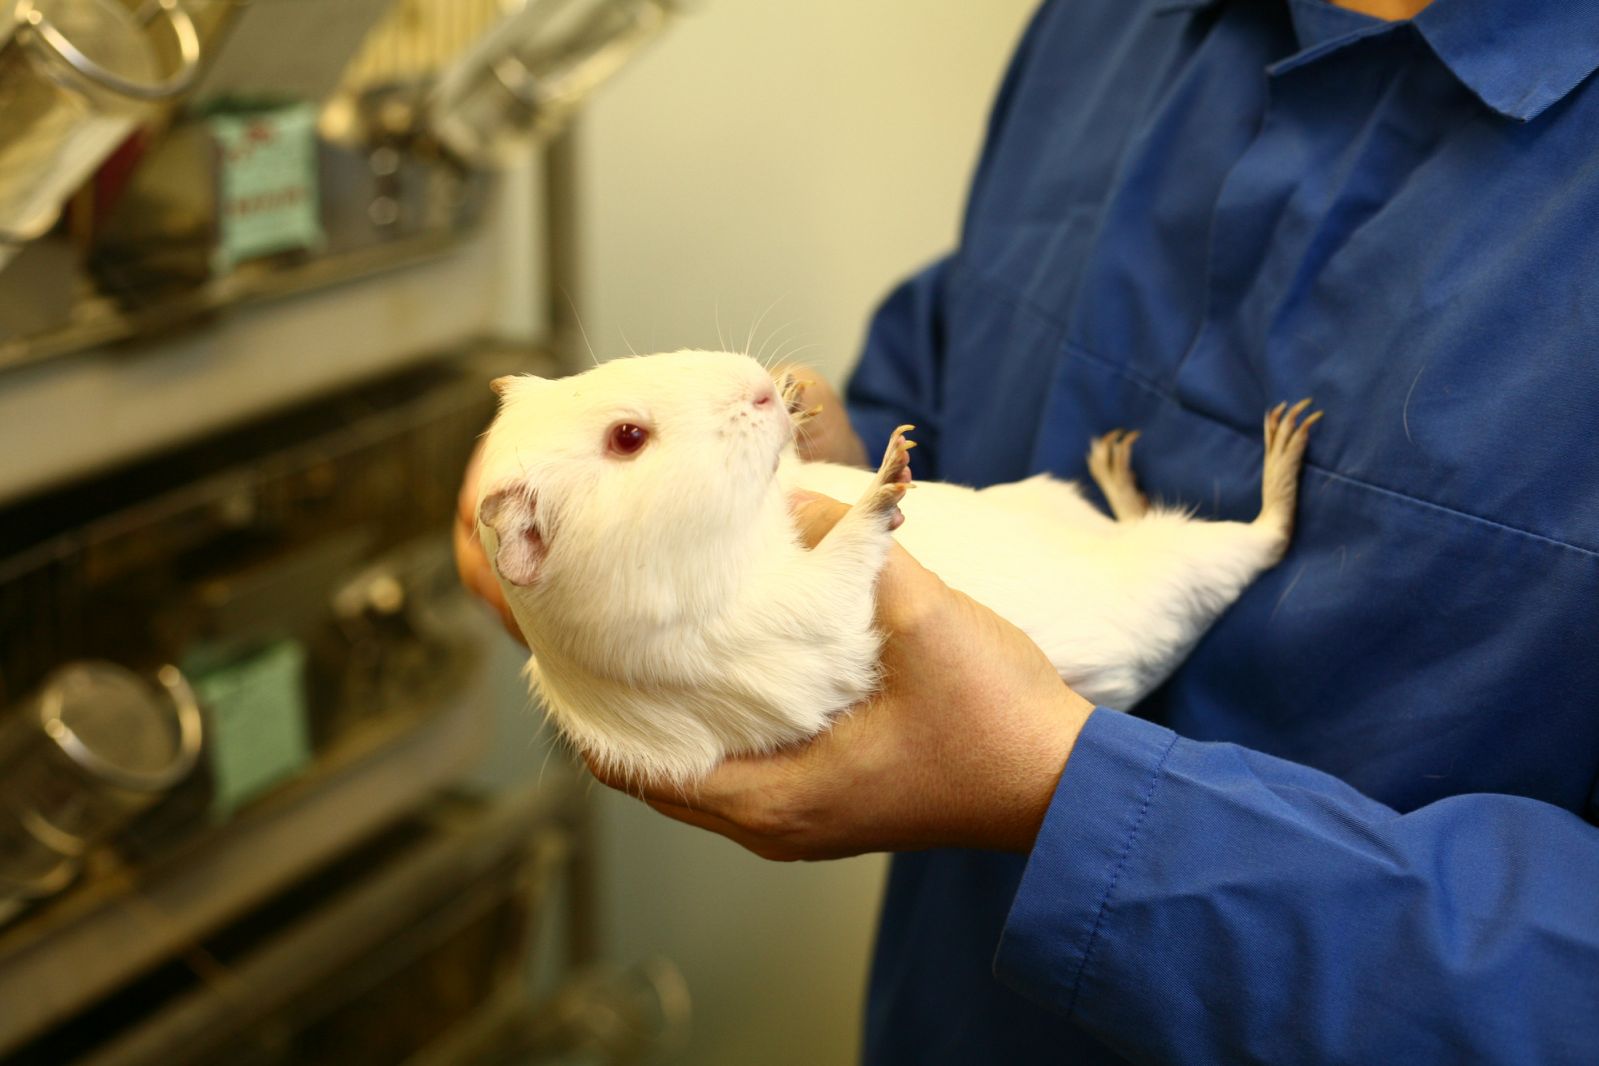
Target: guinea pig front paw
<point>893,475</point>
<point>791,387</point>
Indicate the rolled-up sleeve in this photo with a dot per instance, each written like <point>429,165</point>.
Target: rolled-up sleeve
<point>1196,902</point>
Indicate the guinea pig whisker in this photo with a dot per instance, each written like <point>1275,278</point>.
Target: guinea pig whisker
<point>630,349</point>
<point>790,353</point>
<point>578,318</point>
<point>766,364</point>
<point>749,338</point>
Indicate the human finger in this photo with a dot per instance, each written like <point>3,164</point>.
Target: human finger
<point>471,562</point>
<point>478,576</point>
<point>815,515</point>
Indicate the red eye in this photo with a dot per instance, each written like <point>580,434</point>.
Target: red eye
<point>627,438</point>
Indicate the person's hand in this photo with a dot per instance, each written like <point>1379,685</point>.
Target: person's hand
<point>471,562</point>
<point>962,747</point>
<point>827,436</point>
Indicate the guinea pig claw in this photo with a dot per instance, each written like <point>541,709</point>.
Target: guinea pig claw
<point>895,470</point>
<point>1287,437</point>
<point>792,390</point>
<point>1286,430</point>
<point>1110,464</point>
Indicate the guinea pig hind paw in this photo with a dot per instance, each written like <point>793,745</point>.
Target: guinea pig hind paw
<point>1287,433</point>
<point>1110,464</point>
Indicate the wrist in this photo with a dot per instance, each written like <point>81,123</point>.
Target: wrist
<point>1004,808</point>
<point>1041,774</point>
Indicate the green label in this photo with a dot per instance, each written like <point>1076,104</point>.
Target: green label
<point>255,720</point>
<point>267,183</point>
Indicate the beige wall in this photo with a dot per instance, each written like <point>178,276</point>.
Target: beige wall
<point>808,154</point>
<point>800,157</point>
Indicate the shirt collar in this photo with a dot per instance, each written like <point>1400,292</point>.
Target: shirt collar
<point>1517,56</point>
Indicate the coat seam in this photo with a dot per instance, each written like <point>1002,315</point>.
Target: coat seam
<point>1115,876</point>
<point>1078,351</point>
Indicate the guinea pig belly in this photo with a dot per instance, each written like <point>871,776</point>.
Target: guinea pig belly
<point>1035,552</point>
<point>1021,549</point>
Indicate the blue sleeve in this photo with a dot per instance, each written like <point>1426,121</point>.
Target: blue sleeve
<point>897,378</point>
<point>1203,903</point>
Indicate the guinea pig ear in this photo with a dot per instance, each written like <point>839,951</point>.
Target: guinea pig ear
<point>502,386</point>
<point>513,515</point>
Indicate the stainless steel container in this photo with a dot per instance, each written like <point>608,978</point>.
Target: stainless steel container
<point>76,76</point>
<point>94,747</point>
<point>521,83</point>
<point>29,869</point>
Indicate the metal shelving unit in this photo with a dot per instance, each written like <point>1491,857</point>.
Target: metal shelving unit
<point>56,964</point>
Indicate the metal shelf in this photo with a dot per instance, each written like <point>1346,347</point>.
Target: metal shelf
<point>100,321</point>
<point>118,925</point>
<point>393,915</point>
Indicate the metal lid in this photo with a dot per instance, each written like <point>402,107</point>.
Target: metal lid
<point>29,868</point>
<point>57,876</point>
<point>116,727</point>
<point>111,47</point>
<point>103,31</point>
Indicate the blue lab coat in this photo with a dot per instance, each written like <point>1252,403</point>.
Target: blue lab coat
<point>1358,825</point>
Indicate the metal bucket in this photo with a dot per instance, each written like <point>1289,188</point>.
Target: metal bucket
<point>94,747</point>
<point>521,83</point>
<point>76,76</point>
<point>29,869</point>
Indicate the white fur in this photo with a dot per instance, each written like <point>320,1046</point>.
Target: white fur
<point>675,618</point>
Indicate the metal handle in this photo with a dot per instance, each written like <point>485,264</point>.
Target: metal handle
<point>588,58</point>
<point>183,30</point>
<point>190,729</point>
<point>536,76</point>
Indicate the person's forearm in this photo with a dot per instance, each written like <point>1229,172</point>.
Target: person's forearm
<point>1203,903</point>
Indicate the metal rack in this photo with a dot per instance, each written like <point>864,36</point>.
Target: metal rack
<point>439,93</point>
<point>367,471</point>
<point>229,536</point>
<point>55,966</point>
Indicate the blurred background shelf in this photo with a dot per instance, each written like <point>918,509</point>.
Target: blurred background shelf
<point>93,323</point>
<point>320,528</point>
<point>57,963</point>
<point>466,877</point>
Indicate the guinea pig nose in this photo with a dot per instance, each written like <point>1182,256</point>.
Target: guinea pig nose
<point>765,397</point>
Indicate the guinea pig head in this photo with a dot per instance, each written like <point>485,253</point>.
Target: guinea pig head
<point>636,483</point>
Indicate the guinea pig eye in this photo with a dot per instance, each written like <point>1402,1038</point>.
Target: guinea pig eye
<point>627,438</point>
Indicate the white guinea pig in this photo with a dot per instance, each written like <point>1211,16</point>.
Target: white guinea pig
<point>637,517</point>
